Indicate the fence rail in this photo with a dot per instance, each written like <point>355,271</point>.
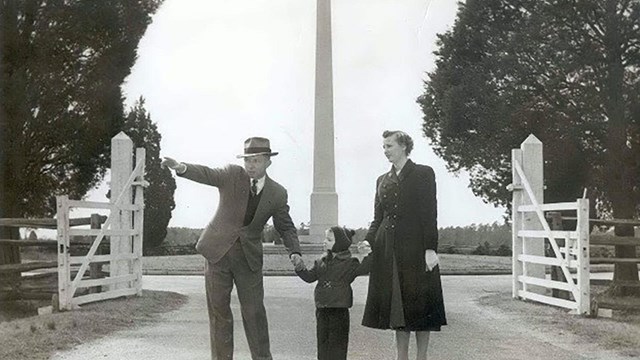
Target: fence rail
<point>614,240</point>
<point>17,278</point>
<point>631,222</point>
<point>47,223</point>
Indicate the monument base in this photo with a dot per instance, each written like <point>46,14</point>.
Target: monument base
<point>305,248</point>
<point>311,239</point>
<point>324,214</point>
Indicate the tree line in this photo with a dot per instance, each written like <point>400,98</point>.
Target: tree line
<point>478,239</point>
<point>566,71</point>
<point>63,64</point>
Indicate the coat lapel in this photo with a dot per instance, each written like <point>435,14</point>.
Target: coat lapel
<point>245,189</point>
<point>407,169</point>
<point>392,178</point>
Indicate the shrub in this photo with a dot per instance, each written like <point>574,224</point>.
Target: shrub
<point>503,250</point>
<point>482,249</point>
<point>270,235</point>
<point>449,249</point>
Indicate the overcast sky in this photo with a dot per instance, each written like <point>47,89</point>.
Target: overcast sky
<point>215,72</point>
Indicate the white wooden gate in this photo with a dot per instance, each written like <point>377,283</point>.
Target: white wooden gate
<point>124,227</point>
<point>530,228</point>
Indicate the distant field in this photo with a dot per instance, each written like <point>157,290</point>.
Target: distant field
<point>279,264</point>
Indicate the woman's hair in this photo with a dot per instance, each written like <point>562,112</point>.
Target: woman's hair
<point>402,138</point>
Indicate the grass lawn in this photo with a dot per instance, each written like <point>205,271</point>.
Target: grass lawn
<point>39,337</point>
<point>279,264</point>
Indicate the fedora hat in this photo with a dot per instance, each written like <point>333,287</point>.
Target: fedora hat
<point>257,146</point>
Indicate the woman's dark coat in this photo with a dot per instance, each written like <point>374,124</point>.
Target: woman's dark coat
<point>405,226</point>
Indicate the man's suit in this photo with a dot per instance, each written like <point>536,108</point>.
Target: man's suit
<point>233,252</point>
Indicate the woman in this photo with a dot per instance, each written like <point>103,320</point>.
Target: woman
<point>405,293</point>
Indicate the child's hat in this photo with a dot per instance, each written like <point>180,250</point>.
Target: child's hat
<point>343,238</point>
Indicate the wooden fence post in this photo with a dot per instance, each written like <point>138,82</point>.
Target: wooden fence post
<point>121,168</point>
<point>584,282</point>
<point>64,272</point>
<point>517,267</point>
<point>532,166</point>
<point>138,222</point>
<point>10,254</point>
<point>95,269</point>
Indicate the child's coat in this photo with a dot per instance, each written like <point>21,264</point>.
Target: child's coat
<point>335,273</point>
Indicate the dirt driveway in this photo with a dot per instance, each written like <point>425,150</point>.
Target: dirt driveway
<point>475,331</point>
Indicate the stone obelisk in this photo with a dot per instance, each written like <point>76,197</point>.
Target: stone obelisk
<point>324,199</point>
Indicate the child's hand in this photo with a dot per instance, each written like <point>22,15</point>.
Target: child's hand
<point>300,266</point>
<point>364,248</point>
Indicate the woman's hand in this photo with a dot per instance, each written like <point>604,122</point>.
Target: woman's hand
<point>431,258</point>
<point>364,247</point>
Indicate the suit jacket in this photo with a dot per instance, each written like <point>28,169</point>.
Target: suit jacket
<point>226,227</point>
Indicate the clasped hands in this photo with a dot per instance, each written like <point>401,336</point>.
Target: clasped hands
<point>296,260</point>
<point>298,263</point>
<point>364,247</point>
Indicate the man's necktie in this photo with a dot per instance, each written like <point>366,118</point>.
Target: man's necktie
<point>254,187</point>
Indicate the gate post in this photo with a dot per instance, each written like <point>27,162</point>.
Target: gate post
<point>516,224</point>
<point>95,269</point>
<point>531,161</point>
<point>138,221</point>
<point>64,269</point>
<point>121,168</point>
<point>584,283</point>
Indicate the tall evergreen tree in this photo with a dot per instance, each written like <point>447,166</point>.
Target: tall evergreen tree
<point>159,200</point>
<point>566,71</point>
<point>62,64</point>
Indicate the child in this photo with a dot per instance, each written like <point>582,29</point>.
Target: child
<point>333,295</point>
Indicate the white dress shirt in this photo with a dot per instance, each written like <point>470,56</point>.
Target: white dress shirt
<point>259,184</point>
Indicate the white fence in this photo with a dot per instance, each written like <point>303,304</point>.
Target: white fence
<point>530,229</point>
<point>124,227</point>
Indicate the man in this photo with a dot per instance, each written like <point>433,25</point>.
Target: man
<point>232,243</point>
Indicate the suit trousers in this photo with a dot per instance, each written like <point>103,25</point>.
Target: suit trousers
<point>332,332</point>
<point>219,280</point>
